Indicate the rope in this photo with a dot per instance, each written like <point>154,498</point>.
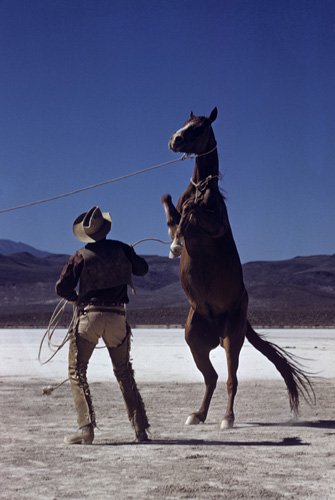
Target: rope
<point>182,158</point>
<point>50,388</point>
<point>204,182</point>
<point>152,239</point>
<point>202,185</point>
<point>53,323</point>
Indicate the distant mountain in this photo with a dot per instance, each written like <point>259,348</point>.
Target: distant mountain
<point>8,247</point>
<point>294,292</point>
<point>28,297</point>
<point>302,282</point>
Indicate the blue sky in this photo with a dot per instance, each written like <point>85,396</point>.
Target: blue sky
<point>92,90</point>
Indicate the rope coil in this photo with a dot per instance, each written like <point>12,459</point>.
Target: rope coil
<point>53,324</point>
<point>58,313</point>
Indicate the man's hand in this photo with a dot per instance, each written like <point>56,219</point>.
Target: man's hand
<point>74,298</point>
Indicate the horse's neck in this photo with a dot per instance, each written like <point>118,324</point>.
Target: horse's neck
<point>206,165</point>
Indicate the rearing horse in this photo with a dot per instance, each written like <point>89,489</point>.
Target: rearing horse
<point>211,274</point>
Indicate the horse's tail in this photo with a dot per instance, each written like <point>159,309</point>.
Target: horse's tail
<point>297,380</point>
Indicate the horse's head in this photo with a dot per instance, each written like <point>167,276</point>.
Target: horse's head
<point>196,136</point>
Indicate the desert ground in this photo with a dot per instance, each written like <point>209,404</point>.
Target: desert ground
<point>269,454</point>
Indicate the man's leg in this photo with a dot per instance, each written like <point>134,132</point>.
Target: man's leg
<point>80,352</point>
<point>124,373</point>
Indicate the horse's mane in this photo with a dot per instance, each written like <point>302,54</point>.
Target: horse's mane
<point>221,190</point>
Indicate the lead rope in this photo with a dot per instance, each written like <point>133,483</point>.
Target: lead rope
<point>182,158</point>
<point>151,239</point>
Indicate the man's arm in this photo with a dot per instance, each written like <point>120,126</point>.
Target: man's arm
<point>65,286</point>
<point>139,265</point>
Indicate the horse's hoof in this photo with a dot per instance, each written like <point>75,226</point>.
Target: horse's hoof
<point>192,420</point>
<point>172,255</point>
<point>227,424</point>
<point>176,249</point>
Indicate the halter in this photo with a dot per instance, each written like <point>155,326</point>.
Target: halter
<point>187,156</point>
<point>208,152</point>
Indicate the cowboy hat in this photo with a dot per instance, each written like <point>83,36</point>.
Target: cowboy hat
<point>92,226</point>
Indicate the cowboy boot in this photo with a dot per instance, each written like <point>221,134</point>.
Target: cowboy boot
<point>124,374</point>
<point>80,352</point>
<point>141,436</point>
<point>84,435</point>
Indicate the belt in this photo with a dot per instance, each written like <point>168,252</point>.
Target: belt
<point>100,303</point>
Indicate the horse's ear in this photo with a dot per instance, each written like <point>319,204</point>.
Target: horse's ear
<point>213,115</point>
<point>191,115</point>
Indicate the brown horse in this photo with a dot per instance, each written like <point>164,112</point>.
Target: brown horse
<point>211,275</point>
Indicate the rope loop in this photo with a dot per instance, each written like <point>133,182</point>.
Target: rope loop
<point>202,184</point>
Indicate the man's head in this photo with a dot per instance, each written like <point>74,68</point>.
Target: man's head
<point>92,226</point>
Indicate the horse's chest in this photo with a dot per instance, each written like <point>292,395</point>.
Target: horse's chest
<point>196,279</point>
<point>209,281</point>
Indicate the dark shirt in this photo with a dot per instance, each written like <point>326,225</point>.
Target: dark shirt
<point>66,285</point>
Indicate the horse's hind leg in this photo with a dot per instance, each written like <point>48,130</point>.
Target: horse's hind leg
<point>232,348</point>
<point>198,338</point>
<point>234,335</point>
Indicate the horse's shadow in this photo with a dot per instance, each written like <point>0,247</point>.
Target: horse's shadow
<point>318,424</point>
<point>288,441</point>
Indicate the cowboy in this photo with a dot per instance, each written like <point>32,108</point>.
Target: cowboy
<point>103,269</point>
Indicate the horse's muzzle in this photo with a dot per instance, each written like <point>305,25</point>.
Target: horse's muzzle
<point>176,143</point>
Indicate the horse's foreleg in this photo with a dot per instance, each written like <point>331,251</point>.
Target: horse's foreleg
<point>172,219</point>
<point>210,377</point>
<point>200,346</point>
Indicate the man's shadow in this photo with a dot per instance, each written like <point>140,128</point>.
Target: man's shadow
<point>290,441</point>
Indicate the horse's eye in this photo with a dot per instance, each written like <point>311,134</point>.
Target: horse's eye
<point>199,129</point>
